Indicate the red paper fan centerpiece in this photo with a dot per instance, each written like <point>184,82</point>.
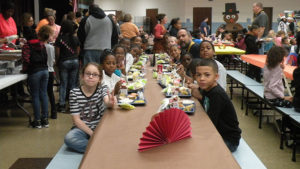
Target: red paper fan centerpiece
<point>168,126</point>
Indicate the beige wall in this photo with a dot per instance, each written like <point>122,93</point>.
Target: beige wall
<point>184,8</point>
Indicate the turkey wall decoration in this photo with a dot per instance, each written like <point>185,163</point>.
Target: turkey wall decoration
<point>230,17</point>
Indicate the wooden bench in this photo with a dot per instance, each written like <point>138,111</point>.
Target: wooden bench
<point>65,159</point>
<point>246,158</point>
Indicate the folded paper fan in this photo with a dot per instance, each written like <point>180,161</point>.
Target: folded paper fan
<point>168,126</point>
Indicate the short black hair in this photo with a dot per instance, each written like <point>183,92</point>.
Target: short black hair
<point>105,53</point>
<point>123,40</point>
<point>208,62</point>
<point>134,46</point>
<point>6,5</point>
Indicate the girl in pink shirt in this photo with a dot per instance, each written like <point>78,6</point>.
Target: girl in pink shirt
<point>273,74</point>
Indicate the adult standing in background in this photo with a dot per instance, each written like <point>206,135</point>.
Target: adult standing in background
<point>129,29</point>
<point>159,32</point>
<point>204,28</point>
<point>96,32</point>
<point>260,19</point>
<point>7,23</point>
<point>291,22</point>
<point>114,18</point>
<point>27,29</point>
<point>174,27</point>
<point>56,28</point>
<point>282,26</point>
<point>45,21</point>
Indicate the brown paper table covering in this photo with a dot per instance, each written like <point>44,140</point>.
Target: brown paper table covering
<point>115,142</point>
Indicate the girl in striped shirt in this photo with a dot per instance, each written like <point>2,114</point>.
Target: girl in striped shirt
<point>87,105</point>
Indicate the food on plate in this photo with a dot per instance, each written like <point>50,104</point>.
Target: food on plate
<point>132,96</point>
<point>126,106</point>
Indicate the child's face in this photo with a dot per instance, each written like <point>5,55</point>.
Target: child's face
<point>255,32</point>
<point>110,65</point>
<point>206,50</point>
<point>120,54</point>
<point>206,77</point>
<point>138,41</point>
<point>126,44</point>
<point>134,52</point>
<point>293,42</point>
<point>91,76</point>
<point>186,60</point>
<point>286,42</point>
<point>227,36</point>
<point>175,52</point>
<point>172,41</point>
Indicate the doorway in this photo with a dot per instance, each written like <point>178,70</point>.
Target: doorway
<point>151,18</point>
<point>199,14</point>
<point>269,12</point>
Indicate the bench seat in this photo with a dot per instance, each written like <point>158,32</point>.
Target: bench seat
<point>246,158</point>
<point>65,159</point>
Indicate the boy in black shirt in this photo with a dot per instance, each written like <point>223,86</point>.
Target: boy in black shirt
<point>217,104</point>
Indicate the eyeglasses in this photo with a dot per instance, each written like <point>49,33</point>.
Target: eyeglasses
<point>91,74</point>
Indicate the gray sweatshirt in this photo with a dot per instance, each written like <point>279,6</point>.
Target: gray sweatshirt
<point>99,32</point>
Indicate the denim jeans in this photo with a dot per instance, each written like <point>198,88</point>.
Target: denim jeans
<point>91,56</point>
<point>77,140</point>
<point>38,86</point>
<point>68,78</point>
<point>232,147</point>
<point>50,91</point>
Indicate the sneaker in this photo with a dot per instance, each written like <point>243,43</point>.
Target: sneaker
<point>36,124</point>
<point>45,123</point>
<point>61,108</point>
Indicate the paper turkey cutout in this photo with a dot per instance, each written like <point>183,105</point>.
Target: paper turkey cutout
<point>230,17</point>
<point>168,126</point>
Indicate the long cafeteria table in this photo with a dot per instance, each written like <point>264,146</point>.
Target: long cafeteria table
<point>115,140</point>
<point>260,61</point>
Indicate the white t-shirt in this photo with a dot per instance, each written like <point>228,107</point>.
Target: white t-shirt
<point>50,57</point>
<point>110,82</point>
<point>129,61</point>
<point>222,75</point>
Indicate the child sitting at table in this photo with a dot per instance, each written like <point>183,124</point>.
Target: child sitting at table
<point>273,74</point>
<point>87,105</point>
<point>183,69</point>
<point>109,64</point>
<point>135,51</point>
<point>120,52</point>
<point>252,47</point>
<point>125,42</point>
<point>175,53</point>
<point>136,40</point>
<point>207,51</point>
<point>217,104</point>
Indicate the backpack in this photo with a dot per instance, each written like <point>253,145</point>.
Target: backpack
<point>36,57</point>
<point>292,59</point>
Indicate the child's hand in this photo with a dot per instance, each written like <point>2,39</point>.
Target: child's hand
<point>193,86</point>
<point>180,70</point>
<point>111,98</point>
<point>288,98</point>
<point>117,87</point>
